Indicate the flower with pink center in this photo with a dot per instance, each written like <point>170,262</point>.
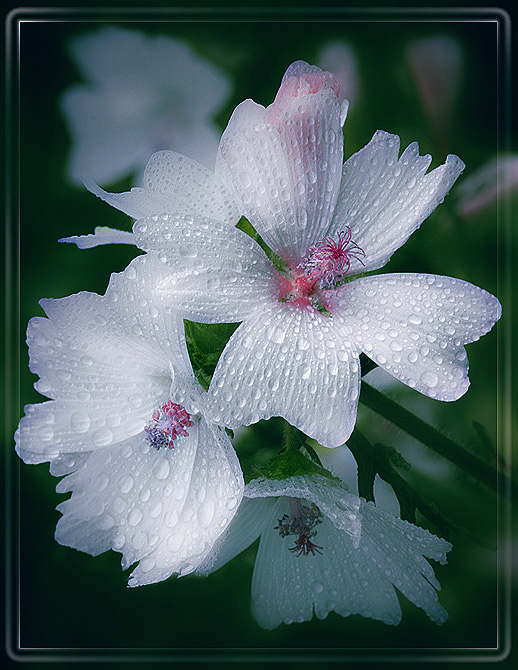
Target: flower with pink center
<point>305,315</point>
<point>151,475</point>
<point>355,569</point>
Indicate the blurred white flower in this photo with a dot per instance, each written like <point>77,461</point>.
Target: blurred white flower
<point>309,560</point>
<point>495,179</point>
<point>152,476</point>
<point>436,67</point>
<point>142,94</point>
<point>339,58</point>
<point>296,352</point>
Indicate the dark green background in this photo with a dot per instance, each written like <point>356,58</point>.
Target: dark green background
<point>70,600</point>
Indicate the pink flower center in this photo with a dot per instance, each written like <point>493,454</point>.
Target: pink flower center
<point>168,422</point>
<point>328,261</point>
<point>301,523</point>
<point>325,266</point>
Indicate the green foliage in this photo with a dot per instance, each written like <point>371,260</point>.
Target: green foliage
<point>290,462</point>
<point>205,343</point>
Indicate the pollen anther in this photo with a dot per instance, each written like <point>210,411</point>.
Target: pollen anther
<point>167,424</point>
<point>328,261</point>
<point>301,522</point>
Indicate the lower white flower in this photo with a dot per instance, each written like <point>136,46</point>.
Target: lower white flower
<point>311,559</point>
<point>151,475</point>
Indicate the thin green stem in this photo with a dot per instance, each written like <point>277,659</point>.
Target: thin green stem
<point>429,436</point>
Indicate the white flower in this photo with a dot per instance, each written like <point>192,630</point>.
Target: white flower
<point>152,476</point>
<point>494,180</point>
<point>296,354</point>
<point>308,561</point>
<point>142,94</point>
<point>436,65</point>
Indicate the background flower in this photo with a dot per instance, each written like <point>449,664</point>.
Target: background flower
<point>143,94</point>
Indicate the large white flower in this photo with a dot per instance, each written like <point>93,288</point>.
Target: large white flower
<point>142,94</point>
<point>152,476</point>
<point>296,354</point>
<point>310,560</point>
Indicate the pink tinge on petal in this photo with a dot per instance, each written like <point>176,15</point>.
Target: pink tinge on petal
<point>301,79</point>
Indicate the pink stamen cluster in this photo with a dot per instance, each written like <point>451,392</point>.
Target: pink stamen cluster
<point>168,422</point>
<point>301,522</point>
<point>328,261</point>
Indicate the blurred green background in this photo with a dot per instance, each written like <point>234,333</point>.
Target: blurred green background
<point>71,600</point>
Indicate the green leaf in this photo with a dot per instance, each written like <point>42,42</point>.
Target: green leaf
<point>205,343</point>
<point>289,463</point>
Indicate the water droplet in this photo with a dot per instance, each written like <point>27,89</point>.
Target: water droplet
<point>275,334</point>
<point>161,469</point>
<point>126,484</point>
<point>429,378</point>
<point>134,517</point>
<point>80,422</point>
<point>317,587</point>
<point>206,513</point>
<point>102,437</point>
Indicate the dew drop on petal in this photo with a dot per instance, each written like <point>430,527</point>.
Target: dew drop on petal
<point>429,378</point>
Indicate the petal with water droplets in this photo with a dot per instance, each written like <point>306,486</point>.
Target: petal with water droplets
<point>383,199</point>
<point>414,326</point>
<point>291,362</point>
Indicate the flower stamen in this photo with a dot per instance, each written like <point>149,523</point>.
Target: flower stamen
<point>301,522</point>
<point>328,261</point>
<point>168,423</point>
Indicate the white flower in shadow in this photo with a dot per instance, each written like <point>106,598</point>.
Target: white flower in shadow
<point>339,571</point>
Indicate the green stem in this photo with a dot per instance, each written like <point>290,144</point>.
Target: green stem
<point>429,436</point>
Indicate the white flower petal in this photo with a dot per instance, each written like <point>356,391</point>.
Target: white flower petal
<point>290,362</point>
<point>383,199</point>
<point>244,529</point>
<point>142,93</point>
<point>399,548</point>
<point>173,184</point>
<point>102,235</point>
<point>339,506</point>
<point>212,273</point>
<point>162,508</point>
<point>287,178</point>
<point>414,326</point>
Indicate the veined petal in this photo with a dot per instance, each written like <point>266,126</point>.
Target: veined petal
<point>414,326</point>
<point>291,362</point>
<point>174,184</point>
<point>287,588</point>
<point>400,548</point>
<point>335,501</point>
<point>244,529</point>
<point>383,199</point>
<point>163,508</point>
<point>211,272</point>
<point>286,177</point>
